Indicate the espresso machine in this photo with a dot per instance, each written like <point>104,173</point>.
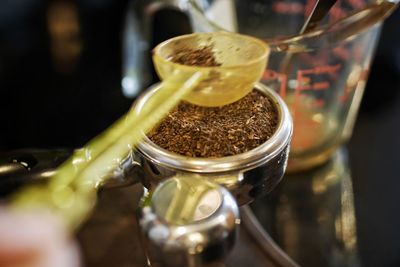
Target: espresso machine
<point>271,228</point>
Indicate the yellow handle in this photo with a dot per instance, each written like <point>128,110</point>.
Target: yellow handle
<point>71,192</point>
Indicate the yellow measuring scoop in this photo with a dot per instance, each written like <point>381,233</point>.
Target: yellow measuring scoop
<point>242,61</point>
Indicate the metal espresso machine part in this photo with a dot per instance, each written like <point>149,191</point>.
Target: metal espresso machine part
<point>188,221</point>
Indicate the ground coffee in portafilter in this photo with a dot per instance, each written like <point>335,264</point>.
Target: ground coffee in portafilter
<point>196,131</point>
<point>203,57</point>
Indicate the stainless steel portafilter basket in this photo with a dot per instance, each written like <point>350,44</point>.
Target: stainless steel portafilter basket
<point>245,175</point>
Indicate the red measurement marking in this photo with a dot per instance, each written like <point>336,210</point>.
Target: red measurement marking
<point>288,8</point>
<point>304,82</point>
<point>312,60</point>
<point>326,69</point>
<point>320,86</point>
<point>270,75</point>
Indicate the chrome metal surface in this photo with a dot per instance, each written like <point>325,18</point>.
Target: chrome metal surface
<point>189,222</point>
<point>28,166</point>
<point>122,175</point>
<point>246,175</point>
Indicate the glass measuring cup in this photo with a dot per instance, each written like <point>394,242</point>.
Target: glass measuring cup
<point>324,80</point>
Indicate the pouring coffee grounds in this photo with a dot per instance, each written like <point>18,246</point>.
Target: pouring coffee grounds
<point>196,131</point>
<point>203,57</point>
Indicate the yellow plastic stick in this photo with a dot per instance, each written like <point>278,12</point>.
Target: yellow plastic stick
<point>71,192</point>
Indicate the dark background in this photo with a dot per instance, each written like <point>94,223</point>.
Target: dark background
<point>48,99</point>
<point>60,85</point>
<point>374,155</point>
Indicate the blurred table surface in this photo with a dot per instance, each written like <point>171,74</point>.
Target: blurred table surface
<point>51,101</point>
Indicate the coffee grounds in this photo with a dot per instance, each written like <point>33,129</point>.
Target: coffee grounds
<point>203,57</point>
<point>196,131</point>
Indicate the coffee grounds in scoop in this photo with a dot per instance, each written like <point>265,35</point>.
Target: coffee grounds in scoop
<point>203,57</point>
<point>210,132</point>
